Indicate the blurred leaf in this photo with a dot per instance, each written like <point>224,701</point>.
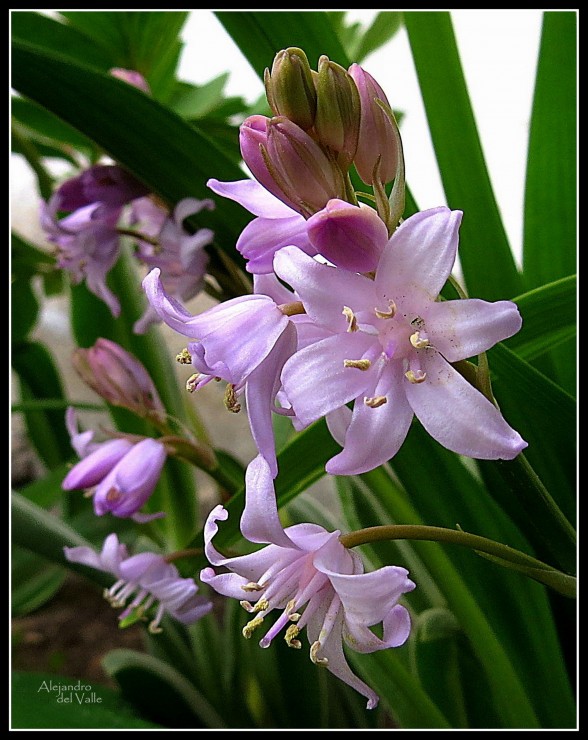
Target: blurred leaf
<point>24,307</point>
<point>37,707</point>
<point>159,691</point>
<point>195,101</point>
<point>488,265</point>
<point>33,581</point>
<point>46,492</point>
<point>382,29</point>
<point>47,127</point>
<point>435,624</point>
<point>40,379</point>
<point>95,104</point>
<point>261,35</point>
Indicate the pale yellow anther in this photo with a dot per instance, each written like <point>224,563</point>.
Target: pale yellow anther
<point>192,382</point>
<point>252,586</point>
<point>290,606</point>
<point>375,402</point>
<point>358,364</point>
<point>294,617</point>
<point>184,357</point>
<point>259,606</point>
<point>351,320</point>
<point>314,648</point>
<point>154,629</point>
<point>417,341</point>
<point>251,626</point>
<point>231,402</point>
<point>291,633</point>
<point>415,377</point>
<point>389,314</point>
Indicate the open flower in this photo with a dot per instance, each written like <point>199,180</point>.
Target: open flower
<point>388,345</point>
<point>307,574</point>
<point>149,578</point>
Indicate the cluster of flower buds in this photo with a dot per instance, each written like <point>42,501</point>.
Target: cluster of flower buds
<point>325,121</point>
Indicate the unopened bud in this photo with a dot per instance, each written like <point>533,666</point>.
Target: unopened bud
<point>132,77</point>
<point>338,110</point>
<point>290,87</point>
<point>377,138</point>
<point>118,377</point>
<point>301,168</point>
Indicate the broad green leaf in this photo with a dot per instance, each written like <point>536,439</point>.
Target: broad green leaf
<point>46,126</point>
<point>261,35</point>
<point>37,705</point>
<point>159,692</point>
<point>33,581</point>
<point>24,307</point>
<point>383,28</point>
<point>488,265</point>
<point>196,101</point>
<point>46,491</point>
<point>40,379</point>
<point>95,103</point>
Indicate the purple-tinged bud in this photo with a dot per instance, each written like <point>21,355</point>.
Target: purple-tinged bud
<point>95,466</point>
<point>338,111</point>
<point>130,483</point>
<point>107,184</point>
<point>351,237</point>
<point>377,138</point>
<point>252,136</point>
<point>290,87</point>
<point>119,378</point>
<point>133,78</point>
<point>301,168</point>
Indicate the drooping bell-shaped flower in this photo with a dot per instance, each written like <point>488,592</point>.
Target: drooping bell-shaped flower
<point>388,346</point>
<point>154,584</point>
<point>316,583</point>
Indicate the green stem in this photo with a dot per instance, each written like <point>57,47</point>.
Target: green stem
<point>47,404</point>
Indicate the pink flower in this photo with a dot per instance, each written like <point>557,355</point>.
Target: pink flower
<point>387,346</point>
<point>307,574</point>
<point>149,577</point>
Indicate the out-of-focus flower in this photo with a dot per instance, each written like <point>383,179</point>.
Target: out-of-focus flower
<point>133,78</point>
<point>244,341</point>
<point>154,583</point>
<point>387,345</point>
<point>180,256</point>
<point>124,474</point>
<point>118,377</point>
<point>307,574</point>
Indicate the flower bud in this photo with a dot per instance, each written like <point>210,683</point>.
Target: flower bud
<point>376,131</point>
<point>338,110</point>
<point>107,184</point>
<point>351,237</point>
<point>300,167</point>
<point>133,78</point>
<point>290,87</point>
<point>118,377</point>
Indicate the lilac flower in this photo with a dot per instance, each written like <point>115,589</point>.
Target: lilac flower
<point>124,474</point>
<point>132,77</point>
<point>244,341</point>
<point>180,256</point>
<point>149,578</point>
<point>307,574</point>
<point>387,345</point>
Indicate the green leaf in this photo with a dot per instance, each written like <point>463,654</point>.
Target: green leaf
<point>196,101</point>
<point>47,127</point>
<point>36,705</point>
<point>95,103</point>
<point>159,691</point>
<point>33,581</point>
<point>261,35</point>
<point>383,28</point>
<point>39,379</point>
<point>488,265</point>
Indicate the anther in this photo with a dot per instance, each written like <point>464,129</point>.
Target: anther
<point>154,629</point>
<point>291,633</point>
<point>351,320</point>
<point>251,626</point>
<point>375,402</point>
<point>413,376</point>
<point>314,648</point>
<point>252,586</point>
<point>292,309</point>
<point>184,357</point>
<point>192,382</point>
<point>389,314</point>
<point>359,364</point>
<point>230,399</point>
<point>259,606</point>
<point>419,342</point>
<point>113,495</point>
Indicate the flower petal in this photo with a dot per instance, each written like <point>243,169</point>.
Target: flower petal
<point>263,237</point>
<point>464,328</point>
<point>419,258</point>
<point>375,435</point>
<point>95,466</point>
<point>397,626</point>
<point>458,416</point>
<point>252,196</point>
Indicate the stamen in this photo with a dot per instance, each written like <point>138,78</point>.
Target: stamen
<point>290,606</point>
<point>292,309</point>
<point>375,402</point>
<point>154,629</point>
<point>415,376</point>
<point>230,399</point>
<point>294,617</point>
<point>184,357</point>
<point>251,586</point>
<point>389,314</point>
<point>359,364</point>
<point>351,320</point>
<point>417,341</point>
<point>259,606</point>
<point>192,382</point>
<point>251,626</point>
<point>418,322</point>
<point>291,633</point>
<point>113,495</point>
<point>314,648</point>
